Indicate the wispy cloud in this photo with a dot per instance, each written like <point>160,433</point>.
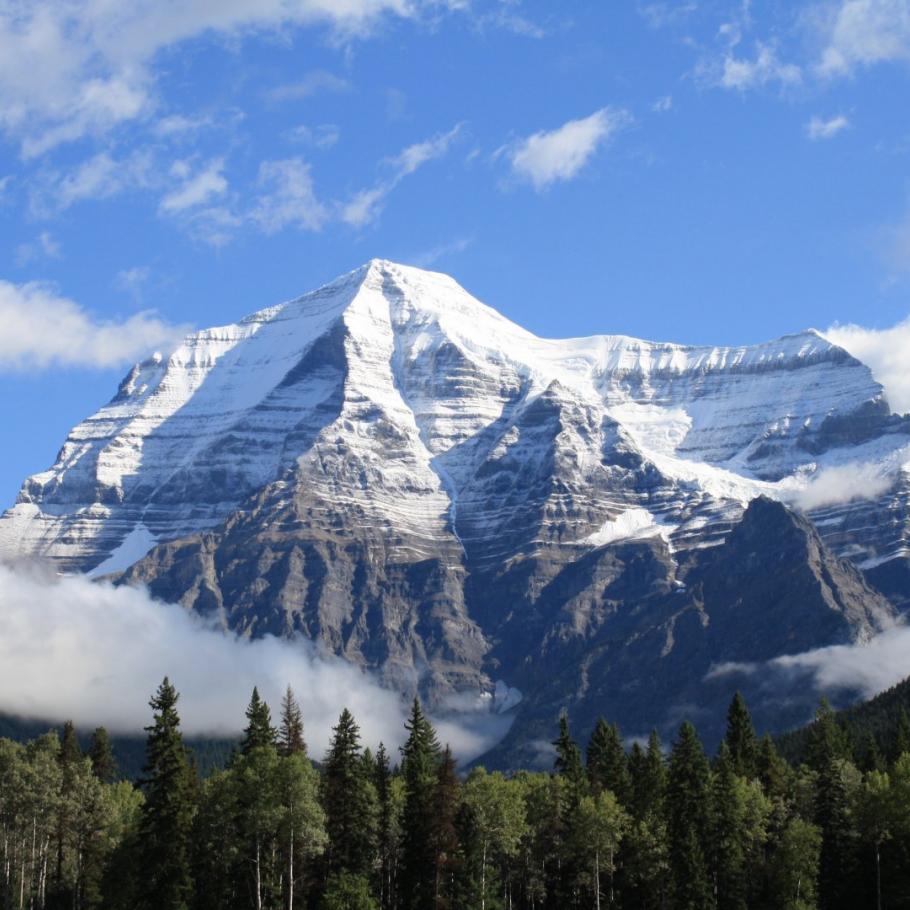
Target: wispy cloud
<point>818,128</point>
<point>288,198</point>
<point>42,329</point>
<point>434,254</point>
<point>195,187</point>
<point>323,136</point>
<point>862,33</point>
<point>551,156</point>
<point>663,104</point>
<point>884,351</point>
<point>45,246</point>
<point>743,73</point>
<point>365,206</point>
<point>311,84</point>
<point>94,653</point>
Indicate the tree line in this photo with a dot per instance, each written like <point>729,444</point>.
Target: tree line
<point>608,827</point>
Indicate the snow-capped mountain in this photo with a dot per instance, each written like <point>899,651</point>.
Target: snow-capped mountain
<point>392,467</point>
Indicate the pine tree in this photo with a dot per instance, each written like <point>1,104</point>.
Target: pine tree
<point>259,730</point>
<point>419,768</point>
<point>832,815</point>
<point>167,814</point>
<point>740,739</point>
<point>290,736</point>
<point>349,799</point>
<point>446,835</point>
<point>568,761</point>
<point>727,834</point>
<point>104,766</point>
<point>687,828</point>
<point>606,762</point>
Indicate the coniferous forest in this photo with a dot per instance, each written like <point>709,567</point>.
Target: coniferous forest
<point>645,827</point>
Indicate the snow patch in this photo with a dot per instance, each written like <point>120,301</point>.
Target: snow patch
<point>134,546</point>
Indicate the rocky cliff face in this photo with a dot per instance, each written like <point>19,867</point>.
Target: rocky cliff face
<point>391,468</point>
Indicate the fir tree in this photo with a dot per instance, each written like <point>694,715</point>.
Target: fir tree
<point>349,799</point>
<point>568,761</point>
<point>104,766</point>
<point>771,769</point>
<point>648,779</point>
<point>687,822</point>
<point>382,781</point>
<point>259,731</point>
<point>446,835</point>
<point>290,735</point>
<point>740,739</point>
<point>419,767</point>
<point>167,814</point>
<point>727,834</point>
<point>606,762</point>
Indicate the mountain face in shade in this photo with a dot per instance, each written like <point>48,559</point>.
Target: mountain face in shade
<point>391,468</point>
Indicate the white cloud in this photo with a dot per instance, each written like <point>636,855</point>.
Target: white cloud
<point>94,653</point>
<point>431,256</point>
<point>864,32</point>
<point>662,105</point>
<point>90,63</point>
<point>550,156</point>
<point>843,483</point>
<point>741,73</point>
<point>42,329</point>
<point>366,205</point>
<point>98,177</point>
<point>310,84</point>
<point>866,667</point>
<point>323,136</point>
<point>817,128</point>
<point>45,246</point>
<point>196,188</point>
<point>885,352</point>
<point>289,200</point>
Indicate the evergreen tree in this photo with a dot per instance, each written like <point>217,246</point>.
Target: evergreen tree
<point>687,822</point>
<point>772,770</point>
<point>259,730</point>
<point>167,813</point>
<point>727,834</point>
<point>606,762</point>
<point>349,800</point>
<point>446,835</point>
<point>827,739</point>
<point>832,815</point>
<point>740,739</point>
<point>290,736</point>
<point>901,735</point>
<point>385,829</point>
<point>568,761</point>
<point>420,764</point>
<point>104,766</point>
<point>648,779</point>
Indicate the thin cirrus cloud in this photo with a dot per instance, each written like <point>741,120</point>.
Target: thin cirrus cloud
<point>818,128</point>
<point>92,652</point>
<point>366,206</point>
<point>553,156</point>
<point>42,329</point>
<point>311,84</point>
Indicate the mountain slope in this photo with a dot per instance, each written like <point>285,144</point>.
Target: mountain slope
<point>393,469</point>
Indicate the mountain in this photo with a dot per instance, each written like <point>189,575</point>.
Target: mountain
<point>393,469</point>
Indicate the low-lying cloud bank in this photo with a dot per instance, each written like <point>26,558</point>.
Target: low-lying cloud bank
<point>843,483</point>
<point>866,669</point>
<point>73,648</point>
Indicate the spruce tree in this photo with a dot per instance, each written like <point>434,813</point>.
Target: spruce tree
<point>349,800</point>
<point>259,731</point>
<point>606,762</point>
<point>446,835</point>
<point>727,835</point>
<point>290,735</point>
<point>568,762</point>
<point>419,768</point>
<point>104,766</point>
<point>385,833</point>
<point>687,822</point>
<point>167,814</point>
<point>901,735</point>
<point>771,769</point>
<point>741,739</point>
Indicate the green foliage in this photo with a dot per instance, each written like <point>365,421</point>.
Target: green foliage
<point>606,762</point>
<point>345,891</point>
<point>740,739</point>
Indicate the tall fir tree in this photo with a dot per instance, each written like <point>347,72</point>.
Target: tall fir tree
<point>446,835</point>
<point>349,800</point>
<point>259,730</point>
<point>290,734</point>
<point>167,813</point>
<point>606,762</point>
<point>420,769</point>
<point>727,854</point>
<point>740,738</point>
<point>687,822</point>
<point>568,762</point>
<point>101,753</point>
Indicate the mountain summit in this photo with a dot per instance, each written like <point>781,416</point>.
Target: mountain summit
<point>394,469</point>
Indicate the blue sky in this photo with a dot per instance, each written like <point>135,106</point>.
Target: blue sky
<point>696,171</point>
